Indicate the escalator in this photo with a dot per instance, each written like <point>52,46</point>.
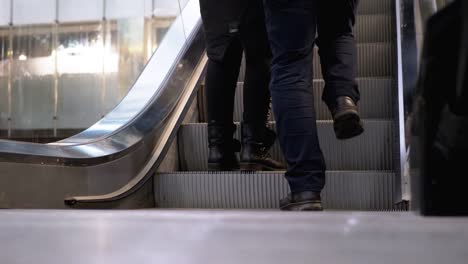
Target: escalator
<point>151,150</point>
<point>362,172</point>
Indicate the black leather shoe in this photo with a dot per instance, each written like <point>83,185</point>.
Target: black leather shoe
<point>256,143</point>
<point>302,201</point>
<point>347,122</point>
<point>222,148</point>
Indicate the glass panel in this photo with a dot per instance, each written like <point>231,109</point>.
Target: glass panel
<point>80,67</point>
<point>183,3</point>
<point>191,14</point>
<point>117,9</point>
<point>5,12</point>
<point>125,58</point>
<point>33,11</point>
<point>166,8</point>
<point>149,8</point>
<point>33,68</point>
<point>159,28</point>
<point>165,12</point>
<point>80,10</point>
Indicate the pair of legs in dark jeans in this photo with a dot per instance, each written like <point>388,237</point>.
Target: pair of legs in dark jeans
<point>234,27</point>
<point>292,26</point>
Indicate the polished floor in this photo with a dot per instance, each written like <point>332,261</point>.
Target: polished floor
<point>190,236</point>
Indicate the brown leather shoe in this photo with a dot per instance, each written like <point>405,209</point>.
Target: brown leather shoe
<point>347,122</point>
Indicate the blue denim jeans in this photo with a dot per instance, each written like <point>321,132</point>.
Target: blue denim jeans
<point>293,27</point>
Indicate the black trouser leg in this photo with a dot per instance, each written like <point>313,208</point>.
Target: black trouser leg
<point>337,48</point>
<point>221,82</point>
<point>257,55</point>
<point>291,28</point>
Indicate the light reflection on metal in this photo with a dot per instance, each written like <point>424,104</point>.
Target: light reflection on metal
<point>56,76</point>
<point>102,44</point>
<point>401,103</point>
<point>10,79</point>
<point>407,70</point>
<point>92,150</point>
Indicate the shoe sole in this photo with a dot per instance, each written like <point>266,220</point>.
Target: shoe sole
<point>303,206</point>
<point>348,125</point>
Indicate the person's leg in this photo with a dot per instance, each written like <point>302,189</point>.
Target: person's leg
<point>337,49</point>
<point>256,137</point>
<point>258,58</point>
<point>220,84</point>
<point>291,30</point>
<point>224,51</point>
<point>221,81</point>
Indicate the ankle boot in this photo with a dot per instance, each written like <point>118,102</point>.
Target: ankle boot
<point>347,121</point>
<point>256,142</point>
<point>222,148</point>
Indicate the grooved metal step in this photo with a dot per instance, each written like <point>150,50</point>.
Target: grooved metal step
<point>376,100</point>
<point>373,59</point>
<point>370,151</point>
<point>375,7</point>
<point>374,28</point>
<point>348,190</point>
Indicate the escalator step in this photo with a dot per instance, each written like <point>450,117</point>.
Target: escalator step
<point>374,60</point>
<point>370,151</point>
<point>375,7</point>
<point>376,100</point>
<point>373,28</point>
<point>345,190</point>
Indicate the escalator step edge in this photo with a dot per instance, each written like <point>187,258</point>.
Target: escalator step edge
<point>345,190</point>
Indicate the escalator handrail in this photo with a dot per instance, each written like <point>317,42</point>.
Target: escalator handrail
<point>148,103</point>
<point>406,62</point>
<point>157,155</point>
